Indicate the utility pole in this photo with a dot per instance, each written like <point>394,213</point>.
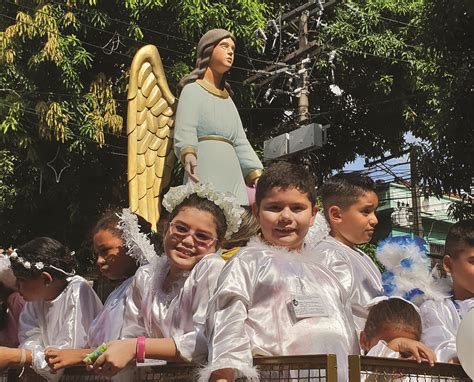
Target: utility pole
<point>303,102</point>
<point>415,197</point>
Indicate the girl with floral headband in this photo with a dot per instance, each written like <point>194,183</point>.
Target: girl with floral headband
<point>121,243</point>
<point>60,306</point>
<point>168,300</point>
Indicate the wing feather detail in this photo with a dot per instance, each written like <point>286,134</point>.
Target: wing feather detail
<point>150,127</point>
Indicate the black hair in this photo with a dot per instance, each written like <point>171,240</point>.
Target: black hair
<point>109,221</point>
<point>203,204</point>
<point>47,251</point>
<point>285,175</point>
<point>460,237</point>
<point>394,312</point>
<point>345,189</point>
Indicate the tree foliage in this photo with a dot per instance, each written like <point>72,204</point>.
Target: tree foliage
<point>404,66</point>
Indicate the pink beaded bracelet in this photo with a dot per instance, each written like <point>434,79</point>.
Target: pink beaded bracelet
<point>140,352</point>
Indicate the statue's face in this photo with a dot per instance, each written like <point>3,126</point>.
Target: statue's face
<point>222,56</point>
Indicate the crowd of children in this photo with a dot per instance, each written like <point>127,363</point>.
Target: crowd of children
<point>227,284</point>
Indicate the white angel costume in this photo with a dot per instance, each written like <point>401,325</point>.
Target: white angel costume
<point>356,272</point>
<point>107,326</point>
<point>272,302</point>
<point>179,313</point>
<point>441,320</point>
<point>208,125</point>
<point>60,323</point>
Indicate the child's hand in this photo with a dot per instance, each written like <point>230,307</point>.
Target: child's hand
<point>119,354</point>
<point>60,358</point>
<point>415,349</point>
<point>454,360</point>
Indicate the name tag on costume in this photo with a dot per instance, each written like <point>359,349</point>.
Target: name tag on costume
<point>308,306</point>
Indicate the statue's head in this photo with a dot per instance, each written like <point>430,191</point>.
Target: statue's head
<point>208,42</point>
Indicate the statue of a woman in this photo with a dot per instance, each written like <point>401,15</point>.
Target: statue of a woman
<point>209,137</point>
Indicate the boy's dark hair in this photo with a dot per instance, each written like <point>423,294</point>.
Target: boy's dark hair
<point>205,205</point>
<point>286,175</point>
<point>47,251</point>
<point>393,311</point>
<point>460,237</point>
<point>344,189</point>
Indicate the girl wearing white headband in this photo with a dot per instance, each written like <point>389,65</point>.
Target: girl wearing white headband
<point>60,306</point>
<point>169,298</point>
<point>121,241</point>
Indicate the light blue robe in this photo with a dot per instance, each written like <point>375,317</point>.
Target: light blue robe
<point>201,113</point>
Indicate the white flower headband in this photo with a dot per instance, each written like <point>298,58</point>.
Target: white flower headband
<point>225,201</point>
<point>137,242</point>
<point>39,265</point>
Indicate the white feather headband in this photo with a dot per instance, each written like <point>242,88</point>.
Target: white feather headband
<point>407,272</point>
<point>138,244</point>
<point>225,201</point>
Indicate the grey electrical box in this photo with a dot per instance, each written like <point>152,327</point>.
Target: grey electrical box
<point>276,147</point>
<point>308,137</point>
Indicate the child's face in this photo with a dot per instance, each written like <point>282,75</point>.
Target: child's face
<point>388,333</point>
<point>191,235</point>
<point>33,289</point>
<point>285,217</point>
<point>461,269</point>
<point>112,258</point>
<point>355,224</point>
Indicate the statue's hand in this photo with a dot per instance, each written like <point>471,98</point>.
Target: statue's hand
<point>190,166</point>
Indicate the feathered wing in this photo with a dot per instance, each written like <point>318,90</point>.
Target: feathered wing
<point>150,122</point>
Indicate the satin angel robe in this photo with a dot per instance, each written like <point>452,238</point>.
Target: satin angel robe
<point>107,326</point>
<point>61,323</point>
<point>441,320</point>
<point>179,313</point>
<point>357,273</point>
<point>201,113</point>
<point>249,314</point>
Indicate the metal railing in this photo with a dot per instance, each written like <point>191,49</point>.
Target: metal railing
<point>377,369</point>
<point>310,368</point>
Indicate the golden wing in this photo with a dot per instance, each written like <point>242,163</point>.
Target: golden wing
<point>150,133</point>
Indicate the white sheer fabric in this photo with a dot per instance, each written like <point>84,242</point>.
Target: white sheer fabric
<point>356,272</point>
<point>441,320</point>
<point>180,313</point>
<point>61,323</point>
<point>253,311</point>
<point>107,326</point>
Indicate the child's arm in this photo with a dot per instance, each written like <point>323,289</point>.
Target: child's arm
<point>403,348</point>
<point>133,323</point>
<point>438,334</point>
<point>61,358</point>
<point>229,344</point>
<point>121,353</point>
<point>13,357</point>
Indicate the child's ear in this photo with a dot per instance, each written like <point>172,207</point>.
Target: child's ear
<point>364,343</point>
<point>334,214</point>
<point>447,263</point>
<point>313,214</point>
<point>47,278</point>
